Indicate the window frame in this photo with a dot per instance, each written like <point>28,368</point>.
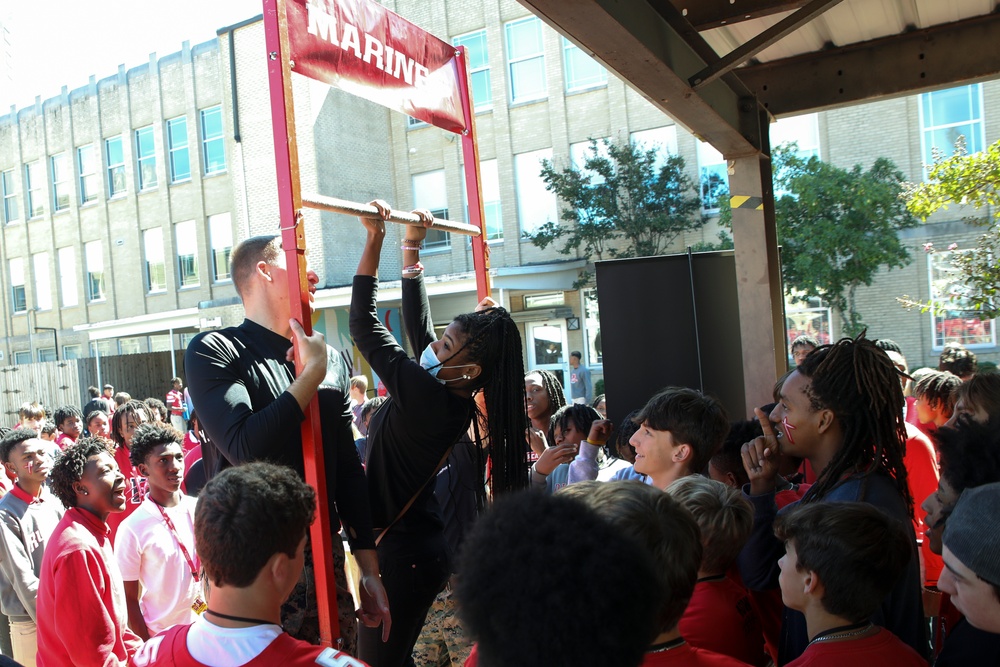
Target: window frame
<point>938,303</point>
<point>185,232</point>
<point>43,280</point>
<point>36,191</point>
<point>66,258</point>
<point>975,89</point>
<point>145,156</point>
<point>174,150</point>
<point>97,290</point>
<point>465,40</point>
<point>711,168</point>
<point>87,168</point>
<point>60,164</point>
<point>208,143</point>
<point>147,236</point>
<point>114,168</point>
<point>536,187</point>
<point>8,191</point>
<point>568,49</point>
<point>430,191</point>
<point>18,291</point>
<point>512,61</point>
<point>218,222</point>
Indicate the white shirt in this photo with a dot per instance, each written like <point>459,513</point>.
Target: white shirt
<point>147,552</point>
<point>228,647</point>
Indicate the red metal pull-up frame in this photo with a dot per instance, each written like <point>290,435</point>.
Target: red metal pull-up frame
<point>278,28</point>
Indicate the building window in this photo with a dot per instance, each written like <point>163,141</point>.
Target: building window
<point>43,281</point>
<point>18,297</point>
<point>663,140</point>
<point>60,182</point>
<point>186,241</point>
<point>116,166</point>
<point>131,345</point>
<point>477,59</point>
<point>47,354</point>
<point>72,352</point>
<point>145,151</point>
<point>177,142</point>
<point>213,146</point>
<point>156,270</point>
<point>952,318</point>
<point>945,115</point>
<point>221,232</point>
<point>22,357</point>
<point>535,205</point>
<point>34,176</point>
<point>581,151</point>
<point>9,191</point>
<point>159,343</point>
<point>526,60</point>
<point>67,277</point>
<point>802,130</point>
<point>582,71</point>
<point>104,348</point>
<point>544,300</point>
<point>489,182</point>
<point>86,163</point>
<point>592,326</point>
<point>94,254</point>
<point>713,175</point>
<point>430,192</point>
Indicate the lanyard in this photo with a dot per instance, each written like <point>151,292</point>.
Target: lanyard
<point>173,531</point>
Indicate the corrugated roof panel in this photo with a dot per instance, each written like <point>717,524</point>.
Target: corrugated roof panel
<point>849,22</point>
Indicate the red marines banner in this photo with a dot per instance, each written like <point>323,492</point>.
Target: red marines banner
<point>366,50</point>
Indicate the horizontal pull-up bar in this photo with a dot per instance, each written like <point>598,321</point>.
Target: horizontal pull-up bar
<point>366,211</point>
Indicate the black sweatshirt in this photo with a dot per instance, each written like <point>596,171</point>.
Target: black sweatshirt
<point>238,379</point>
<point>412,432</point>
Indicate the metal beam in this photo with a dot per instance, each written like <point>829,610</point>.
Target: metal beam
<point>942,56</point>
<point>708,14</point>
<point>775,33</point>
<point>635,41</point>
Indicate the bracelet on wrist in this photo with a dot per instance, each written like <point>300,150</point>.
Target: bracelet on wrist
<point>419,245</point>
<point>414,268</point>
<point>595,444</point>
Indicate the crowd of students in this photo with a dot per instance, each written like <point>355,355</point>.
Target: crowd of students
<point>853,519</point>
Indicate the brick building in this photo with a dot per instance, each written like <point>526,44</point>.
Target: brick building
<point>110,241</point>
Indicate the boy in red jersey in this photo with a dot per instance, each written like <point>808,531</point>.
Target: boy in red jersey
<point>250,527</point>
<point>720,616</point>
<point>841,560</point>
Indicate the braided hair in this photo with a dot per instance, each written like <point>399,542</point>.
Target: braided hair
<point>859,383</point>
<point>493,342</point>
<point>557,397</point>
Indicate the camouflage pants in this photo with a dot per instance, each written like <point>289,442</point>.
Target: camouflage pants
<point>442,642</point>
<point>300,613</point>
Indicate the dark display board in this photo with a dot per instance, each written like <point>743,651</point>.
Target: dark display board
<point>671,320</point>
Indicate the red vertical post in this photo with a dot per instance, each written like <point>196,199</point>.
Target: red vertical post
<point>470,160</point>
<point>293,241</point>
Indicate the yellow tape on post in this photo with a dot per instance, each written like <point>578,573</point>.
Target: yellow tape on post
<point>744,201</point>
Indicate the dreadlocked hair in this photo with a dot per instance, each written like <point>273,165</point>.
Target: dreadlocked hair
<point>493,342</point>
<point>132,408</point>
<point>557,398</point>
<point>859,383</point>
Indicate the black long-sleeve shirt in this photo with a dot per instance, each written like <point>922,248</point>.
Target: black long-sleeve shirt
<point>238,379</point>
<point>412,432</point>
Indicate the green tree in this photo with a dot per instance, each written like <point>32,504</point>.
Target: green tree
<point>837,227</point>
<point>971,180</point>
<point>620,204</point>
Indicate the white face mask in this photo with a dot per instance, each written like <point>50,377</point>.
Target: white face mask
<point>429,362</point>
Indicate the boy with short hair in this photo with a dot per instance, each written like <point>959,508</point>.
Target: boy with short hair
<point>680,429</point>
<point>250,525</point>
<point>841,560</point>
<point>28,516</point>
<point>670,536</point>
<point>935,399</point>
<point>81,602</point>
<point>155,545</point>
<point>30,415</point>
<point>720,616</point>
<point>69,419</point>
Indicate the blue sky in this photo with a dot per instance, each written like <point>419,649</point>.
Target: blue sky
<point>63,42</point>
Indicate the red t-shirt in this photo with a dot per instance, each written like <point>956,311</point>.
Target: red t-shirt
<point>169,649</point>
<point>686,655</point>
<point>721,618</point>
<point>881,648</point>
<point>64,440</point>
<point>922,477</point>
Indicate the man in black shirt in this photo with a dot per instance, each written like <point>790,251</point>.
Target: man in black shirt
<point>251,404</point>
